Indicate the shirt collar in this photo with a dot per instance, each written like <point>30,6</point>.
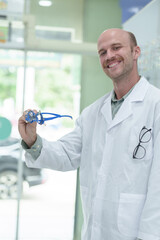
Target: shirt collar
<point>114,98</point>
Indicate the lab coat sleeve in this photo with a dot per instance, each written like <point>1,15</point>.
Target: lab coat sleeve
<point>61,155</point>
<point>149,228</point>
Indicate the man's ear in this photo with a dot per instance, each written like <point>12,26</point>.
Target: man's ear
<point>137,52</point>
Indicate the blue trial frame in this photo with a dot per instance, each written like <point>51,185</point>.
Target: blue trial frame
<point>33,117</point>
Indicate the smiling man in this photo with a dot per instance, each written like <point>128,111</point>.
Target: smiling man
<point>115,144</point>
<point>118,53</point>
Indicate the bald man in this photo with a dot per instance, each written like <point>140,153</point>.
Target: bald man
<point>115,144</point>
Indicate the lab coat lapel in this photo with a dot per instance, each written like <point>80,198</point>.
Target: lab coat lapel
<point>106,109</point>
<point>125,111</point>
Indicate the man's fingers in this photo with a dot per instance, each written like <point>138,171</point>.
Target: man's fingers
<point>25,113</point>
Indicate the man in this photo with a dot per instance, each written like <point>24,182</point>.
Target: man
<point>116,145</point>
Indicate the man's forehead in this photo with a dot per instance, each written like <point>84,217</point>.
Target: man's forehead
<point>115,36</point>
<point>113,33</point>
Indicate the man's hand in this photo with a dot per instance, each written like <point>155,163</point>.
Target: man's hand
<point>27,130</point>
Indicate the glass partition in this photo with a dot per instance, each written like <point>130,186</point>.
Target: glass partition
<point>149,62</point>
<point>48,197</point>
<point>35,203</point>
<point>52,85</point>
<point>10,61</point>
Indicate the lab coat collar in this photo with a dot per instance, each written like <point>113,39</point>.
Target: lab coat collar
<point>137,95</point>
<point>139,90</point>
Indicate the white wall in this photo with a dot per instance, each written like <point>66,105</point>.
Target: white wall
<point>146,23</point>
<point>146,27</point>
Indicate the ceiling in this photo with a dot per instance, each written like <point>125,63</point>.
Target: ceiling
<point>131,7</point>
<point>72,10</point>
<point>63,12</point>
<point>63,17</point>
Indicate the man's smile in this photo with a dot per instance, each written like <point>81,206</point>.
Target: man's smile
<point>113,64</point>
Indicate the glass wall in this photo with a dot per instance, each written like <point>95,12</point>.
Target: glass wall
<point>52,85</point>
<point>9,147</point>
<point>48,199</point>
<point>149,62</point>
<point>34,203</point>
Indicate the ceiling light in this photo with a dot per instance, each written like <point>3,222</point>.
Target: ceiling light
<point>45,3</point>
<point>134,10</point>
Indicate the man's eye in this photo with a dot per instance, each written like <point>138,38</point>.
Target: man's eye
<point>102,53</point>
<point>116,48</point>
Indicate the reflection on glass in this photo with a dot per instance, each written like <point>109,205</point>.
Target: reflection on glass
<point>149,62</point>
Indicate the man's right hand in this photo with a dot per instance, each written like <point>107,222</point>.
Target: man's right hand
<point>27,130</point>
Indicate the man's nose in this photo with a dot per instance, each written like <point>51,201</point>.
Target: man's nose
<point>110,54</point>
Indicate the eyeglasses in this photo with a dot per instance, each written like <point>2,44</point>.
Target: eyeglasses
<point>38,117</point>
<point>144,137</point>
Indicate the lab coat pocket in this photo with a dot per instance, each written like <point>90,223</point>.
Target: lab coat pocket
<point>140,144</point>
<point>129,212</point>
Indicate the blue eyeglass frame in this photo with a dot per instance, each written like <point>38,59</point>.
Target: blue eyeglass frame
<point>31,117</point>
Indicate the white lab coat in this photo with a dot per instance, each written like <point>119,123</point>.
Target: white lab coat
<point>120,195</point>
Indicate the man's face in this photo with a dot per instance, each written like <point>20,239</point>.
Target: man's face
<point>117,55</point>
